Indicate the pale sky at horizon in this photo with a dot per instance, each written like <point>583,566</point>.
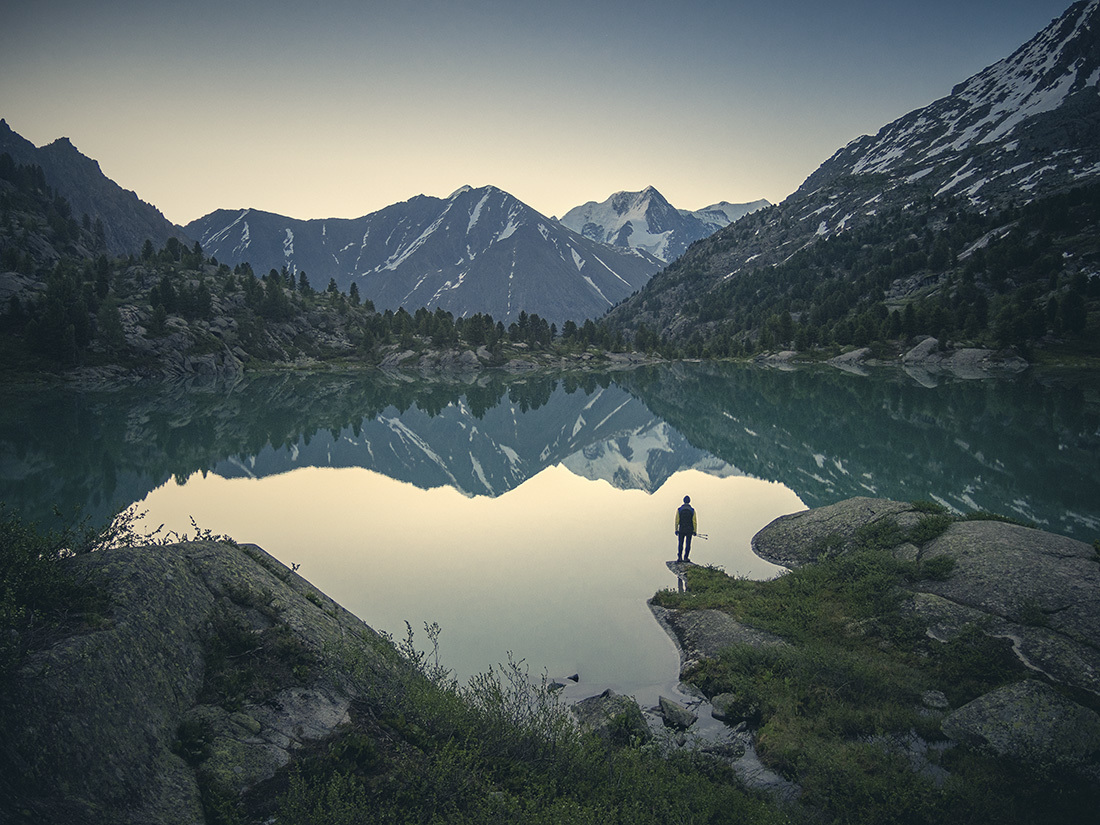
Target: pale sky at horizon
<point>340,108</point>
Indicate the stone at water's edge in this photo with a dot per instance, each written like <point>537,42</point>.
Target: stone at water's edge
<point>676,716</point>
<point>612,715</point>
<point>94,724</point>
<point>805,537</point>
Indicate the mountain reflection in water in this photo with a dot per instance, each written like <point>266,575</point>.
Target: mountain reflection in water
<point>519,503</point>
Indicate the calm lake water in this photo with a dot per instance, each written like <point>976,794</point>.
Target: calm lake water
<point>533,516</point>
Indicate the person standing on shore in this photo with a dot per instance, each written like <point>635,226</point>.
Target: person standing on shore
<point>687,525</point>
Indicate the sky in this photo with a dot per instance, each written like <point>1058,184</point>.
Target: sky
<point>338,108</point>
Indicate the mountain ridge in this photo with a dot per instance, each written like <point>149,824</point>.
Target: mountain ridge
<point>127,220</point>
<point>479,250</point>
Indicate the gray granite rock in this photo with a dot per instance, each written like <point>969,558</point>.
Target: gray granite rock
<point>612,716</point>
<point>98,716</point>
<point>1028,721</point>
<point>807,536</point>
<point>675,715</point>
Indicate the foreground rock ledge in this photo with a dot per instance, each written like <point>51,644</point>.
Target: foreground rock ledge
<point>93,724</point>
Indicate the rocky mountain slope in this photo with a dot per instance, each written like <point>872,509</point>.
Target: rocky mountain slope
<point>479,250</point>
<point>880,220</point>
<point>647,222</point>
<point>126,220</point>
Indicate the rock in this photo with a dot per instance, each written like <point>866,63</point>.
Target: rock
<point>934,700</point>
<point>613,716</point>
<point>103,719</point>
<point>703,634</point>
<point>725,707</point>
<point>852,361</point>
<point>676,716</point>
<point>395,359</point>
<point>1028,721</point>
<point>801,538</point>
<point>968,362</point>
<point>1040,590</point>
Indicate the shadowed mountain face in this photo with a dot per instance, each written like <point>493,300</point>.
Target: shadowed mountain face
<point>480,250</point>
<point>1026,447</point>
<point>127,220</point>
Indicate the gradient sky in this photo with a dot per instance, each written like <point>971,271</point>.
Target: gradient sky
<point>337,109</point>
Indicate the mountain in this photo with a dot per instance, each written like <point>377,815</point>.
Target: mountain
<point>479,250</point>
<point>127,220</point>
<point>646,221</point>
<point>975,215</point>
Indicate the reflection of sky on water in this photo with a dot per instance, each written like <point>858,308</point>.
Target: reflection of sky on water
<point>557,571</point>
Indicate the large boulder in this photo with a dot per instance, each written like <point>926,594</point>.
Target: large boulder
<point>613,716</point>
<point>810,535</point>
<point>212,666</point>
<point>1040,590</point>
<point>1030,722</point>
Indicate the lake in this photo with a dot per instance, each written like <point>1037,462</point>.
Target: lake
<point>533,516</point>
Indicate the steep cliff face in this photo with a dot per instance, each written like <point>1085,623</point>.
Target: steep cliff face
<point>213,665</point>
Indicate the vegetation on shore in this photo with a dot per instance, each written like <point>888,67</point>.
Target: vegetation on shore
<point>75,306</point>
<point>839,709</point>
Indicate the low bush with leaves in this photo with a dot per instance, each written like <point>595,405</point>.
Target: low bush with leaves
<point>502,748</point>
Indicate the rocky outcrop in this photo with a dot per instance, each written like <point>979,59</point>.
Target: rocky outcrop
<point>701,634</point>
<point>810,535</point>
<point>212,666</point>
<point>1039,590</point>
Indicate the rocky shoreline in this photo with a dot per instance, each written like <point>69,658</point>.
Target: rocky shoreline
<point>216,666</point>
<point>1039,590</point>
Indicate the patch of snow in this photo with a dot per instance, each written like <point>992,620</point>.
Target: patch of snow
<point>475,213</point>
<point>480,473</point>
<point>599,291</point>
